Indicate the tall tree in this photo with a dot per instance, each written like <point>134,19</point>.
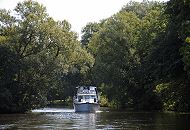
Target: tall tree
<point>39,51</point>
<point>88,31</point>
<point>121,48</point>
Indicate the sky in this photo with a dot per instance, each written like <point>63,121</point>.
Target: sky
<point>77,12</point>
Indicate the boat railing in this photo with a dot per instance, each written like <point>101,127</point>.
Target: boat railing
<point>85,99</point>
<point>86,91</point>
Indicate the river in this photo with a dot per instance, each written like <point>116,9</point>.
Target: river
<point>64,118</point>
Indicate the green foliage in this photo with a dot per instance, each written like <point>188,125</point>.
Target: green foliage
<point>174,95</point>
<point>120,48</point>
<point>141,9</point>
<point>187,40</point>
<point>36,52</point>
<point>88,32</point>
<point>142,56</point>
<point>185,52</point>
<point>104,101</point>
<point>168,97</point>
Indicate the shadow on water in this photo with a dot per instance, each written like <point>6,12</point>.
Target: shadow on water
<point>63,118</point>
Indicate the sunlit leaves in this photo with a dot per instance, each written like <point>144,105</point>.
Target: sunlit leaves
<point>88,31</point>
<point>187,40</point>
<point>43,50</point>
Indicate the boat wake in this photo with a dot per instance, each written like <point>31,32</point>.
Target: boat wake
<point>99,111</point>
<point>52,110</point>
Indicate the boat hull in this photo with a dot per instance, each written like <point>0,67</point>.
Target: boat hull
<point>86,107</point>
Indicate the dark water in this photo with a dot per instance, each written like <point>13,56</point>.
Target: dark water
<point>62,118</point>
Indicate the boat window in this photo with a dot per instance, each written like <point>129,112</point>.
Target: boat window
<point>92,96</point>
<point>92,91</point>
<point>87,97</point>
<point>85,91</point>
<point>79,97</point>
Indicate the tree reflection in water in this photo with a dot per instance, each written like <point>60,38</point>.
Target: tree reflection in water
<point>61,118</point>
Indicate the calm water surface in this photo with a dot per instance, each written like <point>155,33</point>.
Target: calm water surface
<point>62,118</point>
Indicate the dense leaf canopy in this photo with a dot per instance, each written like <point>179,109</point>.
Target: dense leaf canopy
<point>138,57</point>
<point>36,52</point>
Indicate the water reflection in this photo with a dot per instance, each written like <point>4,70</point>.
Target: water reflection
<point>66,119</point>
<point>59,118</point>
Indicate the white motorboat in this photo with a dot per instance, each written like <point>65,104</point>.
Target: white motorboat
<point>86,99</point>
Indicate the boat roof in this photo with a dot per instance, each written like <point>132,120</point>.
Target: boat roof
<point>87,90</point>
<point>83,94</point>
<point>86,87</point>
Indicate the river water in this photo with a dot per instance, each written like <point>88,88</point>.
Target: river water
<point>63,118</point>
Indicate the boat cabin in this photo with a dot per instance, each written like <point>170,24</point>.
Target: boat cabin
<point>86,95</point>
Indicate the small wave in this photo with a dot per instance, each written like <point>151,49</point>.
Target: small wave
<point>52,110</point>
<point>8,126</point>
<point>99,111</point>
